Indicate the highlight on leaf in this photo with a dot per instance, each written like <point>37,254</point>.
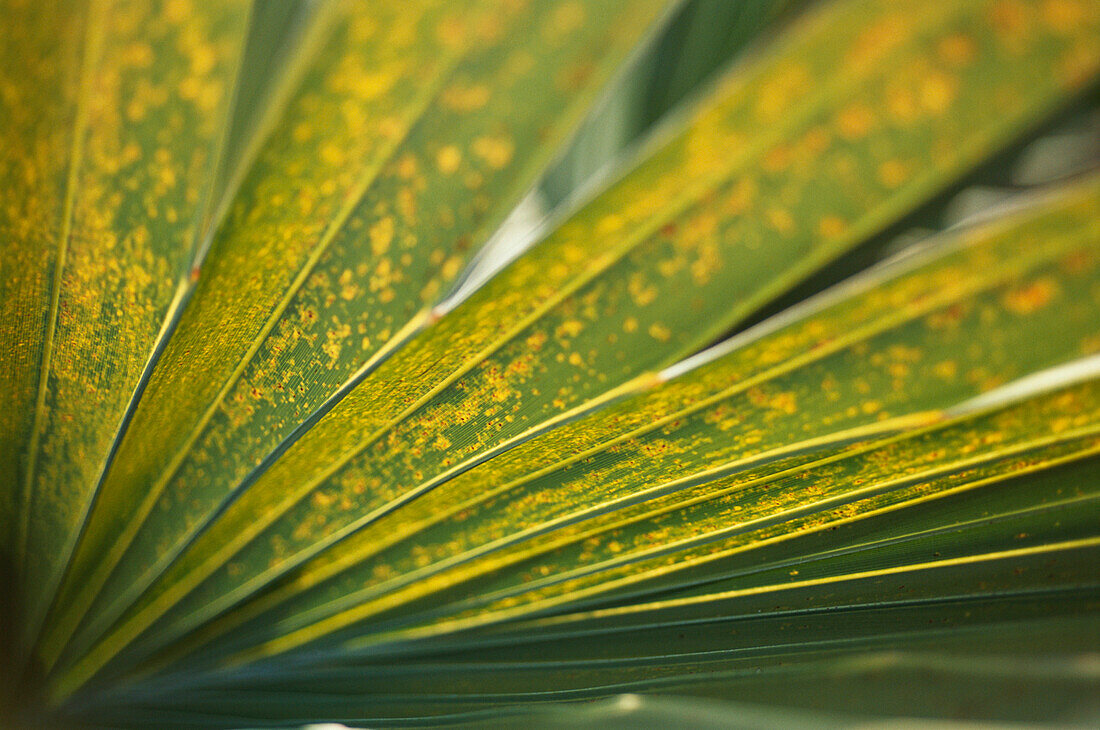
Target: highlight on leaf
<point>430,362</point>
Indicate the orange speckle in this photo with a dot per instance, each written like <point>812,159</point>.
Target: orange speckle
<point>740,197</point>
<point>874,43</point>
<point>1009,21</point>
<point>451,32</point>
<point>784,402</point>
<point>1065,16</point>
<point>1032,297</point>
<point>406,167</point>
<point>816,141</point>
<point>777,158</point>
<point>855,121</point>
<point>1077,65</point>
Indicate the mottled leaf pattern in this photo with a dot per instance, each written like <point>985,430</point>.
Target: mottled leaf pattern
<point>603,284</point>
<point>141,106</point>
<point>889,358</point>
<point>415,127</point>
<point>272,457</point>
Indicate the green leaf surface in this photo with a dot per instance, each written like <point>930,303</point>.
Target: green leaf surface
<point>730,515</point>
<point>530,350</point>
<point>787,397</point>
<point>932,658</point>
<point>121,126</point>
<point>285,439</point>
<point>411,133</point>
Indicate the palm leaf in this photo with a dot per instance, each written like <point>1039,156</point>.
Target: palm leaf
<point>286,444</point>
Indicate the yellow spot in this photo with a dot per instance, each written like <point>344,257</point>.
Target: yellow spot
<point>892,173</point>
<point>451,267</point>
<point>390,127</point>
<point>877,40</point>
<point>630,324</point>
<point>1077,65</point>
<point>381,235</point>
<point>831,227</point>
<point>348,289</point>
<point>855,121</point>
<point>406,204</point>
<point>1065,15</point>
<point>902,104</point>
<point>448,159</point>
<point>406,167</point>
<point>945,369</point>
<point>565,18</point>
<point>784,402</point>
<point>536,341</point>
<point>465,98</point>
<point>740,197</point>
<point>369,86</point>
<point>203,60</point>
<point>130,154</point>
<point>1010,22</point>
<point>576,359</point>
<point>777,158</point>
<point>135,111</point>
<point>641,292</point>
<point>780,220</point>
<point>496,151</point>
<point>957,49</point>
<point>569,328</point>
<point>659,332</point>
<point>816,141</point>
<point>332,154</point>
<point>451,32</point>
<point>190,88</point>
<point>610,224</point>
<point>786,86</point>
<point>937,92</point>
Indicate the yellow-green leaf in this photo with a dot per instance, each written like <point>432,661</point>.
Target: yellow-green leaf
<point>411,133</point>
<point>777,175</point>
<point>112,138</point>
